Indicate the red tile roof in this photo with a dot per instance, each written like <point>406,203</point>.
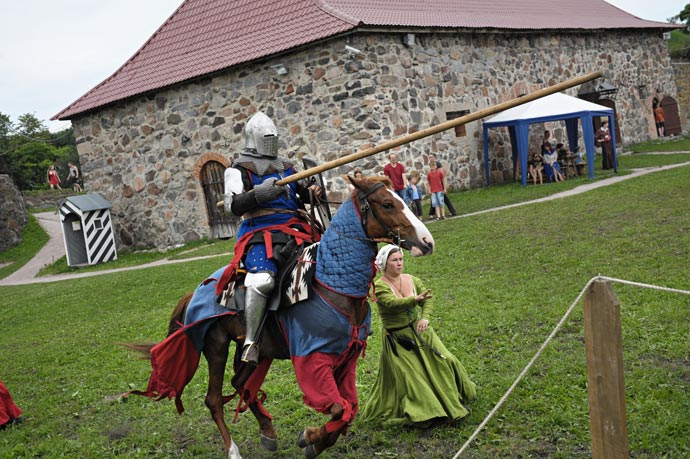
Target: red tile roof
<point>205,36</point>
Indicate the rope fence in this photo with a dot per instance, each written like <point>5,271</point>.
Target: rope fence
<point>546,342</point>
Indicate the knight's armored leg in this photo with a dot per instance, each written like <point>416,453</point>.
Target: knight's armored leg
<point>259,287</point>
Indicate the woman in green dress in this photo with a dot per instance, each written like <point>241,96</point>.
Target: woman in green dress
<point>419,380</point>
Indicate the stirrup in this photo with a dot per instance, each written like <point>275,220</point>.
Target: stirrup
<point>250,354</point>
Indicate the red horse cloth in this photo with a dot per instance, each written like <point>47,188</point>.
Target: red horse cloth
<point>8,409</point>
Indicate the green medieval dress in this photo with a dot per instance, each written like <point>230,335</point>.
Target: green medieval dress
<point>414,384</point>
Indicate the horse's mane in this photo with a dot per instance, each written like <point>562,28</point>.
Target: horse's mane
<point>376,179</point>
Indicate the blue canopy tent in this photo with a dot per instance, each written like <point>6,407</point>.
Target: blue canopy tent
<point>554,107</point>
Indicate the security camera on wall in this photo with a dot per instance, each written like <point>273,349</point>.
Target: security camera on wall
<point>352,50</point>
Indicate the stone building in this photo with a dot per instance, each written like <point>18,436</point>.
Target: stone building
<point>339,76</point>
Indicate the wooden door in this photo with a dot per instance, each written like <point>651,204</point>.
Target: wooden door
<point>213,183</point>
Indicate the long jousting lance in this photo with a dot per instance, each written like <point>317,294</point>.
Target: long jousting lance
<point>439,128</point>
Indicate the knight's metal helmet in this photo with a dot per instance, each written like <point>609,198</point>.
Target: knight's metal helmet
<point>261,135</point>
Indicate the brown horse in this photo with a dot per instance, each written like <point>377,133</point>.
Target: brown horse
<point>374,213</point>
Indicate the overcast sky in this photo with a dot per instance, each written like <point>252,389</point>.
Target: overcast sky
<point>54,51</point>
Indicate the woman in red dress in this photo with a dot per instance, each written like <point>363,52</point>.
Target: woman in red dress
<point>9,412</point>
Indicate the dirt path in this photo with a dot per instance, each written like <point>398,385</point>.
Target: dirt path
<point>55,248</point>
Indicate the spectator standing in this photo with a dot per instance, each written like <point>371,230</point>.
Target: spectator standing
<point>436,180</point>
<point>415,196</point>
<point>603,137</point>
<point>395,171</point>
<point>659,120</point>
<point>446,199</point>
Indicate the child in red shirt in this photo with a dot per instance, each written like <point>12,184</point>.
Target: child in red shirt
<point>437,187</point>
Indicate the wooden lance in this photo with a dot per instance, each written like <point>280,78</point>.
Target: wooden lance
<point>439,128</point>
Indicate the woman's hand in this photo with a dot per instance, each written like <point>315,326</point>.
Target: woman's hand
<point>423,296</point>
<point>422,325</point>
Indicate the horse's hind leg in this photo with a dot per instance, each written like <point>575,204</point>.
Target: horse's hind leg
<point>248,380</point>
<point>216,353</point>
<point>269,436</point>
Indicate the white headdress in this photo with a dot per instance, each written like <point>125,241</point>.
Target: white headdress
<point>384,253</point>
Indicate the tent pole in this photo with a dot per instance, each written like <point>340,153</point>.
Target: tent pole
<point>440,127</point>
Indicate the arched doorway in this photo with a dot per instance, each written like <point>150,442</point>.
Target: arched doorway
<point>671,117</point>
<point>212,181</point>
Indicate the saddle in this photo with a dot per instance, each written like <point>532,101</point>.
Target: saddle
<point>297,265</point>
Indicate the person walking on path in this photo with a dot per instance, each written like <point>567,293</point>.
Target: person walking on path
<point>53,178</point>
<point>73,177</point>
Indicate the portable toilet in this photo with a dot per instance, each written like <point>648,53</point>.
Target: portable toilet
<point>87,230</point>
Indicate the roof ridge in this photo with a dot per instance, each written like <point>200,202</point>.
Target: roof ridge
<point>330,9</point>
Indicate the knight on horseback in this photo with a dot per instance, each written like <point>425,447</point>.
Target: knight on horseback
<point>266,211</point>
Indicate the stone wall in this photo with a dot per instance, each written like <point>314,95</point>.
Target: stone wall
<point>142,154</point>
<point>12,213</point>
<point>681,70</point>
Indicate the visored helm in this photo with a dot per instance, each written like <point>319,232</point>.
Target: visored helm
<point>261,135</point>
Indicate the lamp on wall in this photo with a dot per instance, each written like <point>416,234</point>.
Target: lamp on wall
<point>280,69</point>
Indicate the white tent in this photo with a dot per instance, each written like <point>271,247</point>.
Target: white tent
<point>555,107</point>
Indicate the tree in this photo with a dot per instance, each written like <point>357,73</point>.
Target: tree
<point>684,16</point>
<point>27,149</point>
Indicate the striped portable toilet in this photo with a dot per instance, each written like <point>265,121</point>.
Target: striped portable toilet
<point>87,230</point>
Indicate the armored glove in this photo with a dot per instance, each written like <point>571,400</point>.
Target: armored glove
<point>268,191</point>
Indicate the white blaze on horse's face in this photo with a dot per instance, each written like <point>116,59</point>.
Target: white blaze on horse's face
<point>421,230</point>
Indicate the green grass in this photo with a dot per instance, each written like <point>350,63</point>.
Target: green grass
<point>33,239</point>
<point>681,143</point>
<point>502,281</point>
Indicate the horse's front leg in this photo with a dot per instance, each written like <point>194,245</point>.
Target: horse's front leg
<point>315,440</point>
<point>216,353</point>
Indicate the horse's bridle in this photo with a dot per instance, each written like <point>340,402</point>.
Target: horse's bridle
<point>365,209</point>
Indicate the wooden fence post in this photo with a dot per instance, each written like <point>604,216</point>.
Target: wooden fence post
<point>603,343</point>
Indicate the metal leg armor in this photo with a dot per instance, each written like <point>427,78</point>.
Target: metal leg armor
<point>259,287</point>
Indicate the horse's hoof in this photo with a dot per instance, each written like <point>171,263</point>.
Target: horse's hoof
<point>268,443</point>
<point>302,439</point>
<point>310,452</point>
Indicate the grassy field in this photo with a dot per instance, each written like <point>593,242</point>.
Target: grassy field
<point>502,281</point>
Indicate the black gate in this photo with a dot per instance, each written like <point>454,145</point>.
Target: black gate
<point>213,183</point>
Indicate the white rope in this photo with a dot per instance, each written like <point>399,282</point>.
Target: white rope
<point>546,342</point>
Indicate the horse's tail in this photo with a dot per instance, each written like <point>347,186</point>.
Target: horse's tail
<point>143,350</point>
<point>178,315</point>
<point>176,322</point>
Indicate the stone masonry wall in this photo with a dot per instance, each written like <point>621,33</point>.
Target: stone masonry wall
<point>142,154</point>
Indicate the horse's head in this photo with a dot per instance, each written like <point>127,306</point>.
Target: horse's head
<point>386,217</point>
